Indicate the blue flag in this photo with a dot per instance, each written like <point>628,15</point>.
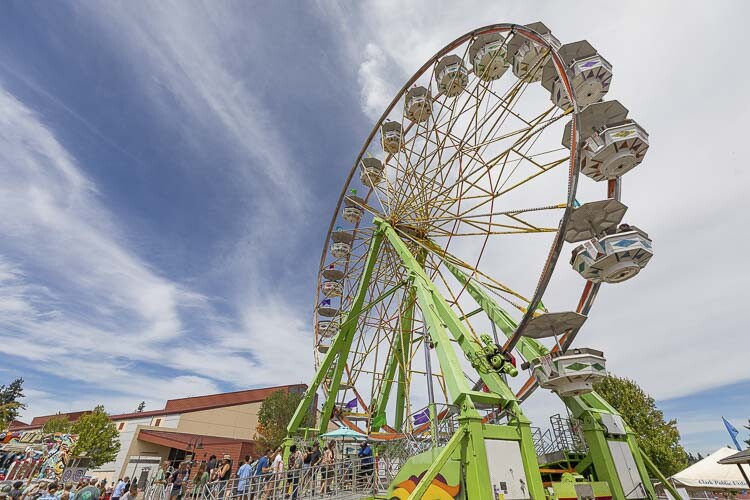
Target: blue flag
<point>732,430</point>
<point>351,404</point>
<point>421,417</point>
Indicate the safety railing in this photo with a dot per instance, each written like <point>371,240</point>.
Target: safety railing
<point>345,479</point>
<point>564,434</point>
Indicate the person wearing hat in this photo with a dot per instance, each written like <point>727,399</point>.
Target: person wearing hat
<point>366,463</point>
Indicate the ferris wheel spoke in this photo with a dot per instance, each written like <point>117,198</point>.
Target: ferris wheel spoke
<point>473,168</point>
<point>504,156</point>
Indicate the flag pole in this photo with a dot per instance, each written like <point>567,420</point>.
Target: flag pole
<point>733,432</point>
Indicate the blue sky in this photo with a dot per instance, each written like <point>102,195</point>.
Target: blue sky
<point>169,170</point>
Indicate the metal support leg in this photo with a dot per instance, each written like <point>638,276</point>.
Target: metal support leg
<point>337,353</point>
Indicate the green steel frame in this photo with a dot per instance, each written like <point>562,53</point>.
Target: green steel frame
<point>588,408</point>
<point>444,328</point>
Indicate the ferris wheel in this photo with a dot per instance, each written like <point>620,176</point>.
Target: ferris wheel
<point>451,223</point>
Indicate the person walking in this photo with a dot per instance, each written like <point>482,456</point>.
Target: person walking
<point>201,478</point>
<point>326,468</point>
<point>221,476</point>
<point>295,469</point>
<point>67,493</point>
<point>90,492</point>
<point>243,473</point>
<point>51,493</point>
<point>177,480</point>
<point>261,467</point>
<point>365,464</point>
<point>119,488</point>
<point>277,475</point>
<point>311,481</point>
<point>132,493</point>
<point>211,467</point>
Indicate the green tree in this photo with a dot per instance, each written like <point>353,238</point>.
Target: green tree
<point>58,423</point>
<point>10,404</point>
<point>657,438</point>
<point>274,415</point>
<point>98,438</point>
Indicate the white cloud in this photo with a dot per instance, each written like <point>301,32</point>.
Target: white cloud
<point>375,86</point>
<point>101,310</point>
<point>682,311</point>
<point>104,303</point>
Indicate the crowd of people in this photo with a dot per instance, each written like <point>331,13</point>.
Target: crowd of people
<point>310,471</point>
<point>85,489</point>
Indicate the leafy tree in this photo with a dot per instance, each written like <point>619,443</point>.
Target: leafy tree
<point>98,438</point>
<point>141,407</point>
<point>10,404</point>
<point>657,438</point>
<point>58,423</point>
<point>274,415</point>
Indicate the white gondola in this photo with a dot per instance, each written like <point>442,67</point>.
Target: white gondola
<point>327,312</point>
<point>553,324</point>
<point>327,328</point>
<point>418,105</point>
<point>594,219</point>
<point>353,210</point>
<point>488,56</point>
<point>572,373</point>
<point>332,288</point>
<point>612,144</point>
<point>590,75</point>
<point>614,151</point>
<point>391,137</point>
<point>333,274</point>
<point>342,243</point>
<point>323,347</point>
<point>371,172</point>
<point>343,385</point>
<point>613,258</point>
<point>529,57</point>
<point>451,75</point>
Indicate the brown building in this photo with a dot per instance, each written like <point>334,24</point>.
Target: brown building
<point>216,424</point>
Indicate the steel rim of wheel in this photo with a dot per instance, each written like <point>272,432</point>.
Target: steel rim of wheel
<point>449,192</point>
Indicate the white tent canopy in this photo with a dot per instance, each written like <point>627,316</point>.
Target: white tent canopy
<point>710,475</point>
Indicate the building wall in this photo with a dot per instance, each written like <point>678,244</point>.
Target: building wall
<point>130,446</point>
<point>238,422</point>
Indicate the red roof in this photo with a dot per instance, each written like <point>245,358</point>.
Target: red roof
<point>14,424</point>
<point>73,416</point>
<point>183,405</point>
<point>182,440</point>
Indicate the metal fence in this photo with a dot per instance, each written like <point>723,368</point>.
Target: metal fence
<point>564,434</point>
<point>345,479</point>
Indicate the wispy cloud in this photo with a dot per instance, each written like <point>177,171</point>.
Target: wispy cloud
<point>101,310</point>
<point>74,287</point>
